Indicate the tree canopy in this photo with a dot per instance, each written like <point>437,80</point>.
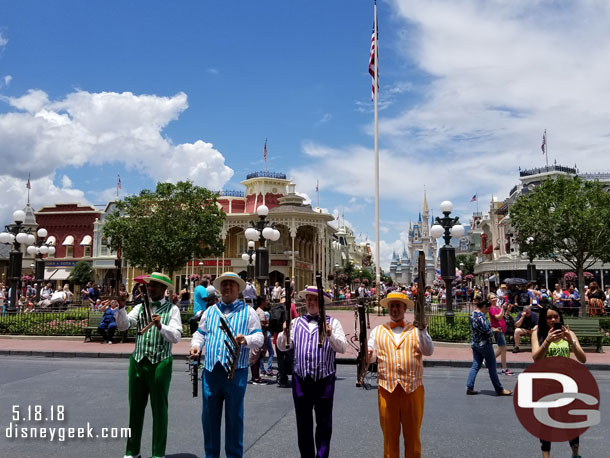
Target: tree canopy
<point>81,274</point>
<point>164,229</point>
<point>566,219</point>
<point>468,260</point>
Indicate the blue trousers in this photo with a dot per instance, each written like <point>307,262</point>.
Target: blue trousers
<point>218,390</point>
<point>479,354</point>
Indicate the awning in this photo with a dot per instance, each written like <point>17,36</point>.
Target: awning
<point>51,240</point>
<point>86,240</point>
<point>56,274</point>
<point>69,241</point>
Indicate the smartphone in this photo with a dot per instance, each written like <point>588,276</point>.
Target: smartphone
<point>557,326</point>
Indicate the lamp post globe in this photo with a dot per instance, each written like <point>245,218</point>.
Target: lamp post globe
<point>262,210</point>
<point>42,233</point>
<point>436,231</point>
<point>19,216</point>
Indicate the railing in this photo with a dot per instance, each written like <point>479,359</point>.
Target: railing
<point>550,168</point>
<point>231,193</point>
<point>281,176</point>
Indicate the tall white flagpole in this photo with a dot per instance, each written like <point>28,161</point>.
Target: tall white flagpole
<point>377,245</point>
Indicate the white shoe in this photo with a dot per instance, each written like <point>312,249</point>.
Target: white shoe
<point>110,342</point>
<point>139,455</point>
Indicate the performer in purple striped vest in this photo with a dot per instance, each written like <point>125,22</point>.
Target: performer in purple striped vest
<point>313,379</point>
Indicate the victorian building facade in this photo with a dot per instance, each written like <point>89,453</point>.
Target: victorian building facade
<point>494,239</point>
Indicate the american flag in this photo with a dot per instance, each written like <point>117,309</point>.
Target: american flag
<point>265,150</point>
<point>317,183</point>
<point>473,198</point>
<point>372,63</point>
<point>28,185</point>
<point>543,146</point>
<point>118,183</point>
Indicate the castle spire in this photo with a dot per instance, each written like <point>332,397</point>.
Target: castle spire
<point>425,203</point>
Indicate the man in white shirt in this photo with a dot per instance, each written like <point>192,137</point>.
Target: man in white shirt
<point>399,346</point>
<point>150,365</point>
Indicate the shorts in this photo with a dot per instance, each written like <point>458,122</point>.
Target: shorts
<point>500,340</point>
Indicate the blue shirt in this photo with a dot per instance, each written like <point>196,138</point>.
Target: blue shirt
<point>199,299</point>
<point>481,329</point>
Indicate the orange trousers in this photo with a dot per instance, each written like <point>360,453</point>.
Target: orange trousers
<point>397,409</point>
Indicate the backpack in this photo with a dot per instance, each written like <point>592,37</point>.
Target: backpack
<point>277,316</point>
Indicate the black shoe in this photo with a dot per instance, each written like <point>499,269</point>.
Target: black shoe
<point>471,392</point>
<point>516,350</point>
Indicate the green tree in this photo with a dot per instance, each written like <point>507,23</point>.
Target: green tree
<point>468,260</point>
<point>565,219</point>
<point>81,274</point>
<point>162,230</point>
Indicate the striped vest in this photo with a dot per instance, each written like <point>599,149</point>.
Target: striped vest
<point>151,344</point>
<point>215,348</point>
<point>398,362</point>
<point>308,358</point>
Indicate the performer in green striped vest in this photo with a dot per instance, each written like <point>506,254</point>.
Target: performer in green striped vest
<point>150,365</point>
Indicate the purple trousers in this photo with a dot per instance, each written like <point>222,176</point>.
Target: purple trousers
<point>316,395</point>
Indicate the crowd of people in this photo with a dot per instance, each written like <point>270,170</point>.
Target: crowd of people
<point>26,297</point>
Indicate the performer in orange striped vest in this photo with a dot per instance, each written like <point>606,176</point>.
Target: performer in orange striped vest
<point>398,346</point>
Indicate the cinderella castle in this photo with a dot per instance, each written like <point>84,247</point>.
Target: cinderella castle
<point>403,269</point>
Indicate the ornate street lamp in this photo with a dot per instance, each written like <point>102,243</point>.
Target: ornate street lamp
<point>262,230</point>
<point>15,234</point>
<point>447,227</point>
<point>250,256</point>
<point>39,249</point>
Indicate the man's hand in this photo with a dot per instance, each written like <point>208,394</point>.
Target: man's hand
<point>241,339</point>
<point>156,319</point>
<point>329,330</point>
<point>369,355</point>
<point>285,330</point>
<point>122,300</point>
<point>424,325</point>
<point>194,352</point>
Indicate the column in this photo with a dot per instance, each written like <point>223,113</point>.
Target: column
<point>293,235</point>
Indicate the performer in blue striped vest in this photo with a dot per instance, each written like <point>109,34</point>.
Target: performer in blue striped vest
<point>217,389</point>
<point>150,365</point>
<point>313,379</point>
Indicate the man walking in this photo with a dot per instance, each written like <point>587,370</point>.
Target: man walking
<point>217,388</point>
<point>313,380</point>
<point>150,365</point>
<point>399,346</point>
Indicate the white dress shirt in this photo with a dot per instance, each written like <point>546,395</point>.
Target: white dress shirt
<point>170,332</point>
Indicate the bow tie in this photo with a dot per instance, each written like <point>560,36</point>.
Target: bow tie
<point>315,318</point>
<point>396,324</point>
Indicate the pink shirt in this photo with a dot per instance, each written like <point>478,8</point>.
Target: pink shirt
<point>501,323</point>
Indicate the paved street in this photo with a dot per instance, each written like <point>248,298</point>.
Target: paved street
<point>95,391</point>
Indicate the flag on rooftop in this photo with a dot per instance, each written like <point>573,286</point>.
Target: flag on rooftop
<point>473,198</point>
<point>543,146</point>
<point>265,151</point>
<point>28,185</point>
<point>118,183</point>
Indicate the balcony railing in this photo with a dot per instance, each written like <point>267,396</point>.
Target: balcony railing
<point>281,176</point>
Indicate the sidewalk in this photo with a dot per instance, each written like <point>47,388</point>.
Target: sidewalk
<point>445,354</point>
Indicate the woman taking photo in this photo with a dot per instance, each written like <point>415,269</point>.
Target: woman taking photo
<point>498,326</point>
<point>550,340</point>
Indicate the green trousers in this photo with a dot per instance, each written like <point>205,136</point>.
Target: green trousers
<point>146,378</point>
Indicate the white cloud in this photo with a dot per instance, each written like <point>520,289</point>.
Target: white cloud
<point>66,182</point>
<point>3,41</point>
<point>212,71</point>
<point>325,118</point>
<point>43,192</point>
<point>7,80</point>
<point>97,128</point>
<point>496,73</point>
<point>41,135</point>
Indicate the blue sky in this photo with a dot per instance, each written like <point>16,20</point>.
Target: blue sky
<point>157,90</point>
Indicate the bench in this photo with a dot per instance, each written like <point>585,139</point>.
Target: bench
<point>93,323</point>
<point>586,328</point>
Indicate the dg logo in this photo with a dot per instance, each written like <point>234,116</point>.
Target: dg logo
<point>557,399</point>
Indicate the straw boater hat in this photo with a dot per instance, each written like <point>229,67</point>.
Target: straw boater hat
<point>159,278</point>
<point>396,297</point>
<point>313,290</point>
<point>229,276</point>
